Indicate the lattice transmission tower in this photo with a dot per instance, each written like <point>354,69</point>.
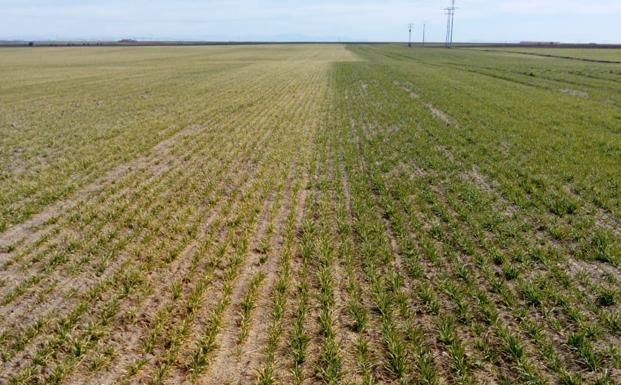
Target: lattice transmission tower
<point>450,23</point>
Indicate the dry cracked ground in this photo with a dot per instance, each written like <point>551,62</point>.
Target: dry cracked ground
<point>309,214</point>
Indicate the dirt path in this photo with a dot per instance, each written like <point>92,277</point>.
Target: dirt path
<point>436,112</point>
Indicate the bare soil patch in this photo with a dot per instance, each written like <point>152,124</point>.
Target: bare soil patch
<point>578,93</point>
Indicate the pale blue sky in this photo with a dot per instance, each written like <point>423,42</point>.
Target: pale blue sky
<point>363,20</point>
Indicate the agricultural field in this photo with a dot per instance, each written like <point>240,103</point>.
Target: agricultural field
<point>310,214</point>
<point>611,55</point>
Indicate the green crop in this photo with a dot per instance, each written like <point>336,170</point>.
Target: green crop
<point>297,214</point>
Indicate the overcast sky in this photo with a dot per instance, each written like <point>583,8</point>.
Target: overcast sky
<point>361,20</point>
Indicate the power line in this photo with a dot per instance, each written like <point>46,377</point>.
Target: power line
<point>448,26</point>
<point>450,22</point>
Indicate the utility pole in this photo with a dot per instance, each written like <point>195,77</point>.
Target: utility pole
<point>410,26</point>
<point>452,21</point>
<point>450,18</point>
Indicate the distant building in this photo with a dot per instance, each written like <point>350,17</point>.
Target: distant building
<point>540,43</point>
